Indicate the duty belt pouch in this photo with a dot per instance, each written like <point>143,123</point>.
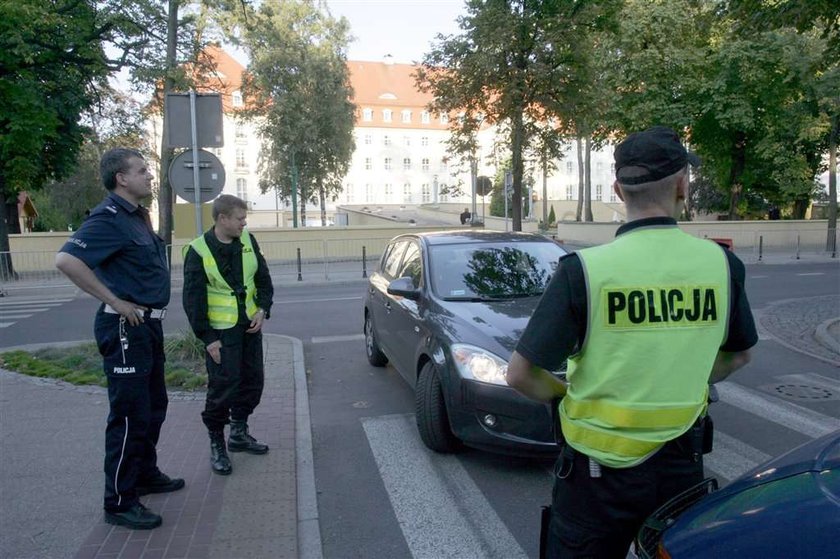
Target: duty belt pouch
<point>708,434</point>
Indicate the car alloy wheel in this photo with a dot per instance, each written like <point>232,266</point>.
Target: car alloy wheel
<point>430,411</point>
<point>374,354</point>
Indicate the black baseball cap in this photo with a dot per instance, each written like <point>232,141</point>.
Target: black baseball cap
<point>651,155</point>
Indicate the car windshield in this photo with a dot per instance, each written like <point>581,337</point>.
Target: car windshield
<point>492,271</point>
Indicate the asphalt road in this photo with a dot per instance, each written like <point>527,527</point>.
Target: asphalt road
<point>381,494</point>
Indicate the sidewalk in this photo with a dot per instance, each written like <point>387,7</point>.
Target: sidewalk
<point>52,437</point>
<point>51,481</point>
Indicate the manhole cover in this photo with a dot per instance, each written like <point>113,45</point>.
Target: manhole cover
<point>802,392</point>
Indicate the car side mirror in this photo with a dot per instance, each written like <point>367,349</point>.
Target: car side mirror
<point>404,287</point>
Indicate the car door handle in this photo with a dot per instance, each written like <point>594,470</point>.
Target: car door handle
<point>388,306</point>
<point>417,329</point>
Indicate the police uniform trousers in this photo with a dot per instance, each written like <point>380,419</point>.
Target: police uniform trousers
<point>138,402</point>
<point>234,386</point>
<point>598,517</point>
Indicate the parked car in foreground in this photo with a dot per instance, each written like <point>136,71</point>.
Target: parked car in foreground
<point>446,309</point>
<point>788,507</point>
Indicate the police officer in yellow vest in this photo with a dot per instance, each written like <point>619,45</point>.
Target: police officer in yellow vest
<point>227,296</point>
<point>646,321</point>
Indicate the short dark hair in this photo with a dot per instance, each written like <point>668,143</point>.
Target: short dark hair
<point>226,203</point>
<point>115,161</point>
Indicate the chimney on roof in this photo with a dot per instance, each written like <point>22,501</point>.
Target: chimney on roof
<point>388,59</point>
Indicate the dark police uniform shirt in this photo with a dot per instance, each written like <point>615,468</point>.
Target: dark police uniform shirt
<point>117,242</point>
<point>558,327</point>
<point>229,259</point>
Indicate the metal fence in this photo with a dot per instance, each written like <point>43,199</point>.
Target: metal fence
<point>774,245</point>
<point>288,261</point>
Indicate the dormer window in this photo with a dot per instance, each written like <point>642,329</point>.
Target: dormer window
<point>367,115</point>
<point>425,117</point>
<point>406,116</point>
<point>386,115</point>
<point>236,98</point>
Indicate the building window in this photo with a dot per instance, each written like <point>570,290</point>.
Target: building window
<point>443,165</point>
<point>569,192</point>
<point>407,164</point>
<point>424,141</point>
<point>386,140</point>
<point>444,119</point>
<point>406,115</point>
<point>426,190</point>
<point>389,191</point>
<point>443,197</point>
<point>424,163</point>
<point>240,159</point>
<point>425,117</point>
<point>239,134</point>
<point>348,194</point>
<point>236,98</point>
<point>386,115</point>
<point>569,167</point>
<point>368,139</point>
<point>368,192</point>
<point>407,193</point>
<point>406,141</point>
<point>242,189</point>
<point>367,115</point>
<point>387,163</point>
<point>599,167</point>
<point>612,168</point>
<point>368,163</point>
<point>599,191</point>
<point>612,196</point>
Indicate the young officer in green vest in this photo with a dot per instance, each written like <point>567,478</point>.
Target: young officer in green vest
<point>646,321</point>
<point>227,296</point>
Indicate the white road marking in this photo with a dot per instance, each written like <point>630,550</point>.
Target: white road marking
<point>792,416</point>
<point>730,457</point>
<point>30,300</point>
<point>759,277</point>
<point>5,324</point>
<point>5,316</point>
<point>440,509</point>
<point>812,274</point>
<point>330,339</point>
<point>316,300</point>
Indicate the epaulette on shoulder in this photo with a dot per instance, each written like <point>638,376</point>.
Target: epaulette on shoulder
<point>568,255</point>
<point>112,208</point>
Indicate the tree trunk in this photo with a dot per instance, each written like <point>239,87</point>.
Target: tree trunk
<point>738,162</point>
<point>7,270</point>
<point>831,235</point>
<point>545,191</point>
<point>322,198</point>
<point>165,197</point>
<point>587,183</point>
<point>517,133</point>
<point>579,211</point>
<point>302,202</point>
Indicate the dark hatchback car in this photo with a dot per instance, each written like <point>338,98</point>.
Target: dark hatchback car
<point>786,507</point>
<point>446,309</point>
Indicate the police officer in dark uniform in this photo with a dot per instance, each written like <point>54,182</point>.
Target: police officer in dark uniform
<point>646,322</point>
<point>117,257</point>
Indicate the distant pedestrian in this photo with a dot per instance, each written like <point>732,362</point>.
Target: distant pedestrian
<point>227,296</point>
<point>117,257</point>
<point>465,216</point>
<point>646,321</point>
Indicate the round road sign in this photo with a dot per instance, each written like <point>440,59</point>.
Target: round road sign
<point>211,176</point>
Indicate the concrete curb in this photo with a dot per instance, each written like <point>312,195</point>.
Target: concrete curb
<point>823,335</point>
<point>769,309</point>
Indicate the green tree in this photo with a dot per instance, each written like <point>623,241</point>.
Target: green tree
<point>50,61</point>
<point>513,59</point>
<point>299,87</point>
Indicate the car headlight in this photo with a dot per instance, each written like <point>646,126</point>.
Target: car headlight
<point>476,363</point>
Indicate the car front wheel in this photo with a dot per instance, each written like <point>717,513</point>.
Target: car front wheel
<point>374,354</point>
<point>430,410</point>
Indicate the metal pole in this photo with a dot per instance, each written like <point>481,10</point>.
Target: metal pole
<point>364,261</point>
<point>797,246</point>
<point>300,277</point>
<point>196,181</point>
<point>473,179</point>
<point>760,246</point>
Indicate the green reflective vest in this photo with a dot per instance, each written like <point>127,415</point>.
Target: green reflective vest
<point>222,309</point>
<point>658,311</point>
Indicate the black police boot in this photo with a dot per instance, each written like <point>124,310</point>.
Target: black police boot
<point>160,483</point>
<point>219,460</point>
<point>241,441</point>
<point>137,517</point>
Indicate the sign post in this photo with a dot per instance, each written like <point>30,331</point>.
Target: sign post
<point>508,190</point>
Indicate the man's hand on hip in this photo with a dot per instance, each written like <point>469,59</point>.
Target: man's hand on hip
<point>256,322</point>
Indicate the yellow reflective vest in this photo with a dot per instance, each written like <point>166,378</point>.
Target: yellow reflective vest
<point>222,309</point>
<point>658,311</point>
